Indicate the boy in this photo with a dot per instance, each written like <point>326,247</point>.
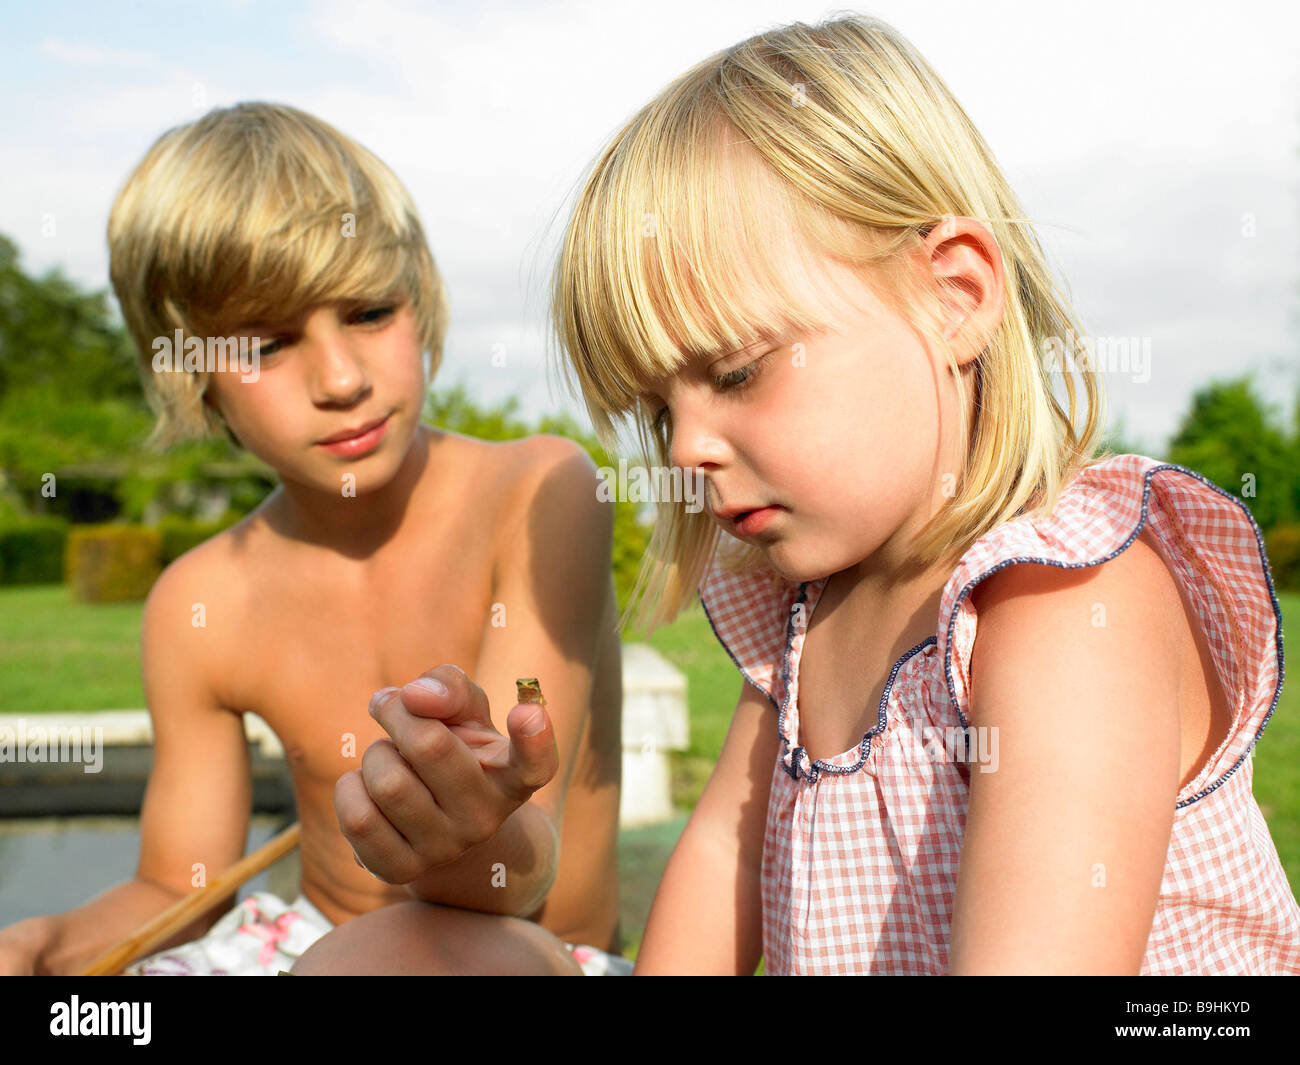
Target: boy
<point>387,548</point>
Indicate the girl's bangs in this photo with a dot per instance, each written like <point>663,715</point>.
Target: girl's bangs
<point>690,246</point>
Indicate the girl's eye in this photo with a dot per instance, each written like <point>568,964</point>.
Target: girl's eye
<point>734,380</point>
<point>268,346</point>
<point>731,381</point>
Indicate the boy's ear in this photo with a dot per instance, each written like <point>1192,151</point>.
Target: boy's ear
<point>210,403</point>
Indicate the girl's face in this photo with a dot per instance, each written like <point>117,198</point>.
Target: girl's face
<point>340,371</point>
<point>825,449</point>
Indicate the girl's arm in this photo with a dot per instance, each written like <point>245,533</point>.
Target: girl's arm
<point>707,915</point>
<point>1066,839</point>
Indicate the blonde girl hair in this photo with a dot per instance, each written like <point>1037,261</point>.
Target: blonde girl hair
<point>254,212</point>
<point>859,149</point>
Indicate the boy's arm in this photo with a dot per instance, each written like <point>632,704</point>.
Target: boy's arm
<point>553,597</point>
<point>196,807</point>
<point>707,916</point>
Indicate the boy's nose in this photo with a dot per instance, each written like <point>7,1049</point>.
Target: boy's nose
<point>338,374</point>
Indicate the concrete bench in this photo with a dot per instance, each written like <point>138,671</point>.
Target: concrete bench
<point>655,721</point>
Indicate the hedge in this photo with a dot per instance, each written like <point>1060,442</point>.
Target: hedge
<point>31,550</point>
<point>112,563</point>
<point>1282,543</point>
<point>181,534</point>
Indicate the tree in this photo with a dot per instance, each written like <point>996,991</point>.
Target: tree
<point>53,333</point>
<point>1233,439</point>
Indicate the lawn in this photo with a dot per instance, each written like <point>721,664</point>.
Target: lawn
<point>57,655</point>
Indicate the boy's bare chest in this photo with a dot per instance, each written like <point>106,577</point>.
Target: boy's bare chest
<point>322,647</point>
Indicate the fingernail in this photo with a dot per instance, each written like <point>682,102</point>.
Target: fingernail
<point>533,723</point>
<point>379,698</point>
<point>432,684</point>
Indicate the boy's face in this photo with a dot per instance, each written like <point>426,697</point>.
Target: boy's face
<point>339,392</point>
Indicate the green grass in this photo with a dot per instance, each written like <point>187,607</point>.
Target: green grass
<point>1277,756</point>
<point>712,690</point>
<point>60,655</point>
<point>56,654</point>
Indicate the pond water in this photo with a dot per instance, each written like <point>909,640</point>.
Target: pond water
<point>51,864</point>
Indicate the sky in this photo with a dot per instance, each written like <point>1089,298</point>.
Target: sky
<point>1156,145</point>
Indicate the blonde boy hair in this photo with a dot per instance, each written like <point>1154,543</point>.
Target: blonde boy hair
<point>253,212</point>
<point>858,146</point>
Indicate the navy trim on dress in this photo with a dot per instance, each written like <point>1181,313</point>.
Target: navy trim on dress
<point>1142,520</point>
<point>792,758</point>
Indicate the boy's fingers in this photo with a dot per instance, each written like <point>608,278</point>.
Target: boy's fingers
<point>534,757</point>
<point>450,772</point>
<point>403,798</point>
<point>379,848</point>
<point>459,702</point>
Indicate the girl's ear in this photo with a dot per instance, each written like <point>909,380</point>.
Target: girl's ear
<point>964,257</point>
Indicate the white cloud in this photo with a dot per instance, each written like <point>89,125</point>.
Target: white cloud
<point>81,54</point>
<point>1141,134</point>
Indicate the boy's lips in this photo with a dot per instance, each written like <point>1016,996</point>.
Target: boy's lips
<point>347,434</point>
<point>357,440</point>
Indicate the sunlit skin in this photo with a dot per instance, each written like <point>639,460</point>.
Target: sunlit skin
<point>347,365</point>
<point>767,426</point>
<point>852,441</point>
<point>361,369</point>
<point>357,575</point>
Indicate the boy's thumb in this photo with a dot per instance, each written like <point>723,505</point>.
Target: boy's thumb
<point>533,754</point>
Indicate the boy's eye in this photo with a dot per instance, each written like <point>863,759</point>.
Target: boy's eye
<point>375,314</point>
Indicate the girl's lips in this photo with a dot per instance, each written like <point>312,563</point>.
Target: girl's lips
<point>755,521</point>
<point>361,444</point>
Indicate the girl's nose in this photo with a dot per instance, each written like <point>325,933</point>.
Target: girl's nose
<point>696,444</point>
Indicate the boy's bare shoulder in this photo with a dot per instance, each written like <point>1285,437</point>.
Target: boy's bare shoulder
<point>510,460</point>
<point>514,471</point>
<point>212,578</point>
<point>554,482</point>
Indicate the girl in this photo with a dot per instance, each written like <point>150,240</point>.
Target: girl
<point>1000,690</point>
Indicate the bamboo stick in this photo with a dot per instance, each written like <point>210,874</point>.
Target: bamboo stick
<point>192,906</point>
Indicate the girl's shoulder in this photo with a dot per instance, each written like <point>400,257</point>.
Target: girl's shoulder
<point>1137,508</point>
<point>753,613</point>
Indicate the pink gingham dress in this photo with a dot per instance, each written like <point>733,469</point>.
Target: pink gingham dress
<point>860,852</point>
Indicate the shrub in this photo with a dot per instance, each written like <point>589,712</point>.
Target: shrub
<point>1282,543</point>
<point>111,563</point>
<point>180,534</point>
<point>31,550</point>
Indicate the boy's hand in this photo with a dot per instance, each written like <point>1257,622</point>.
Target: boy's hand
<point>446,780</point>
